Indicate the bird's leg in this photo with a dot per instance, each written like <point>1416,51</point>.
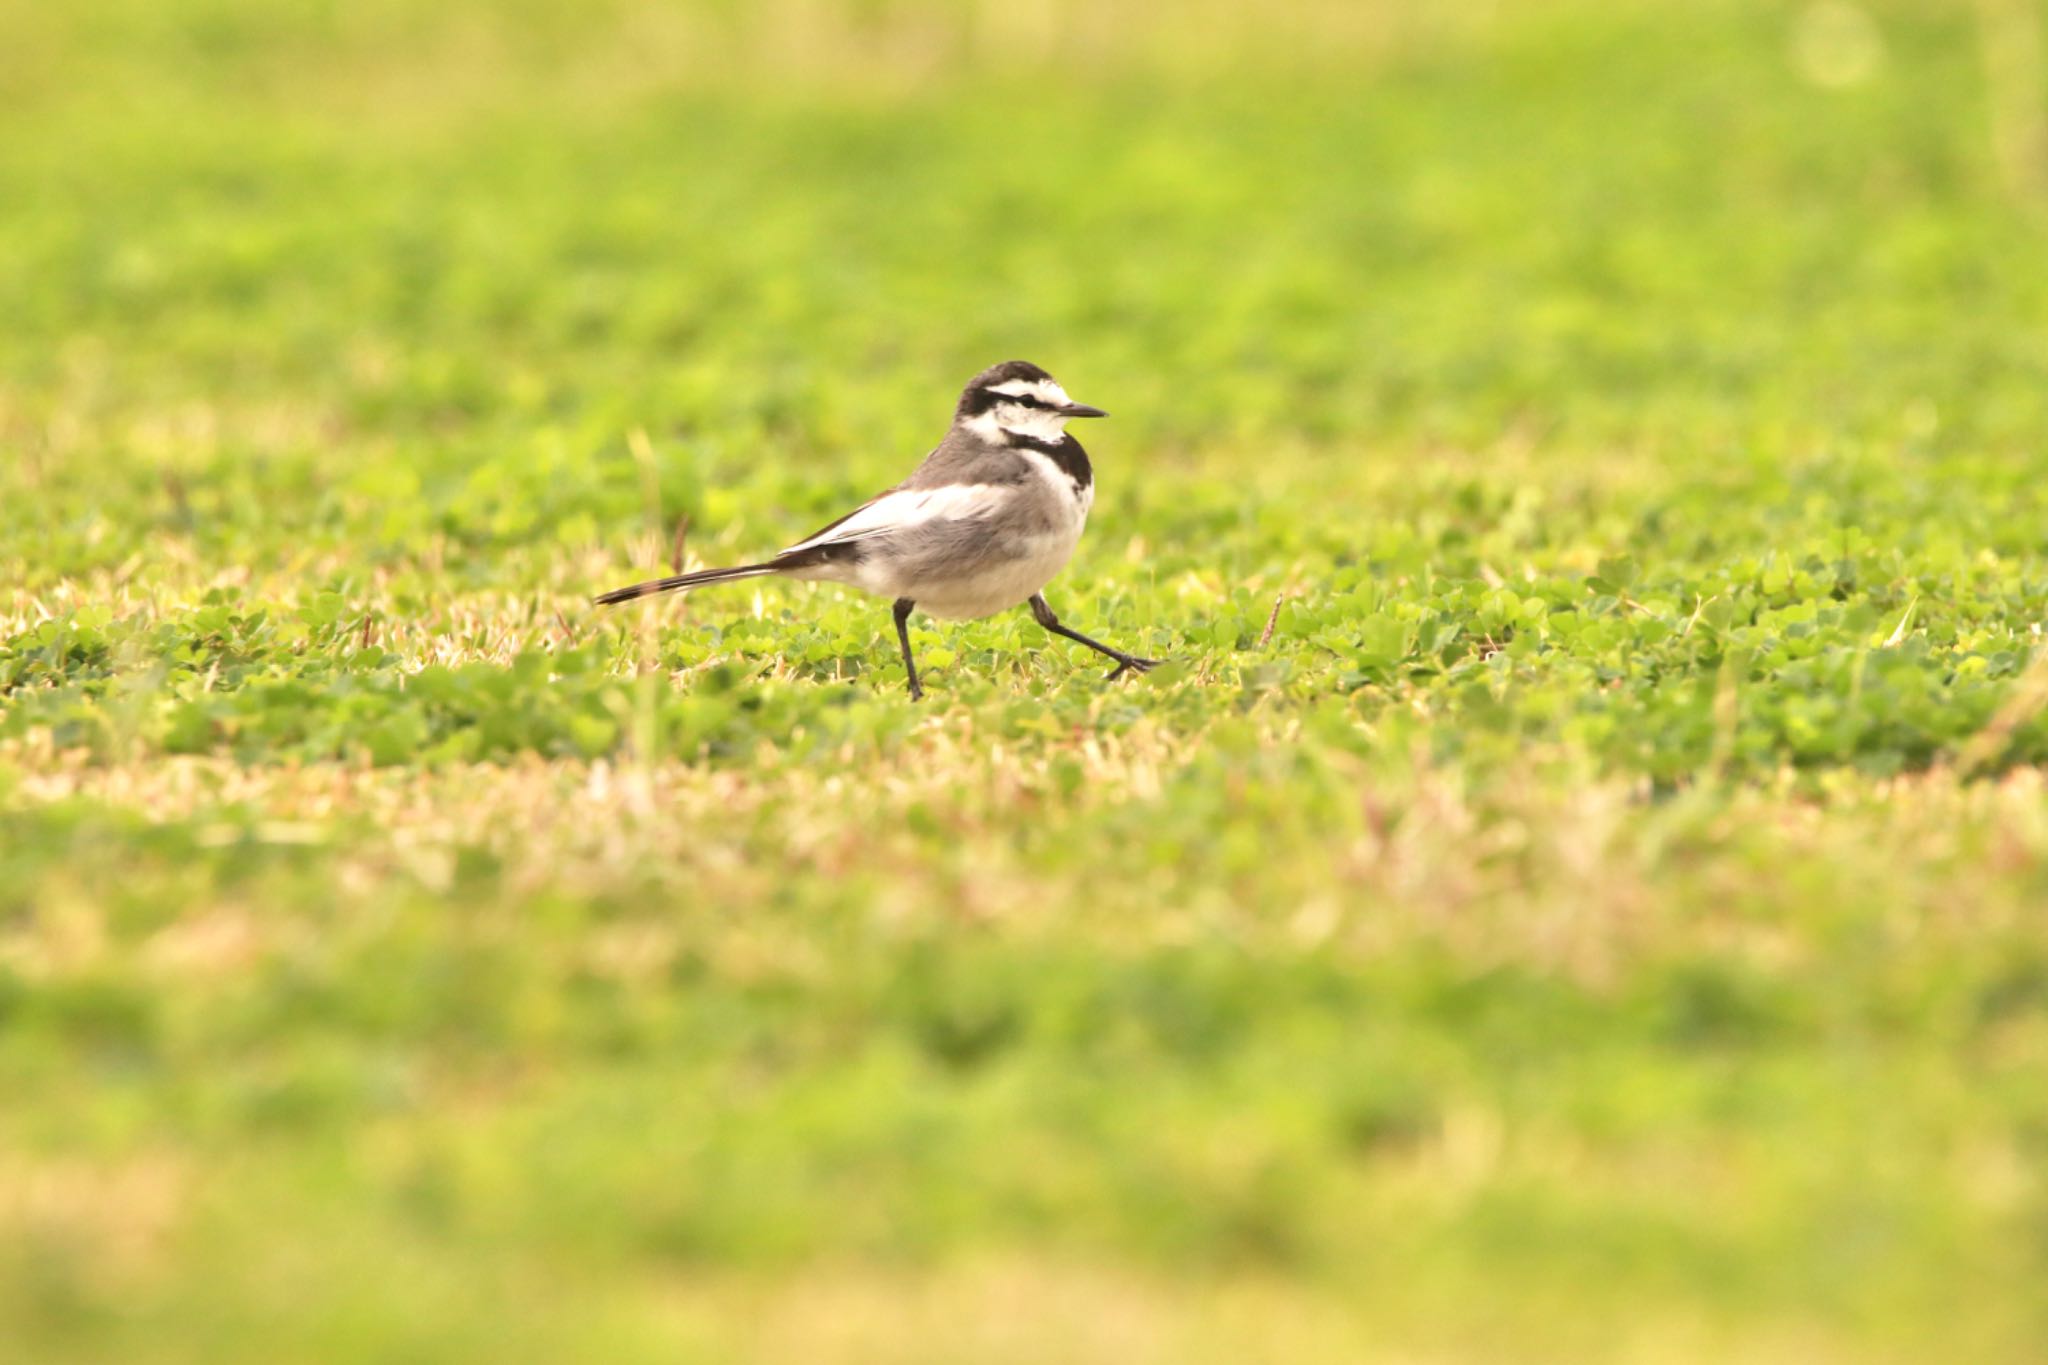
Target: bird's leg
<point>1124,662</point>
<point>904,606</point>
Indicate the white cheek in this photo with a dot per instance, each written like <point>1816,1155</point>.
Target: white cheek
<point>1036,423</point>
<point>1033,422</point>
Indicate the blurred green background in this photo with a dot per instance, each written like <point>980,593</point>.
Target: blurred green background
<point>1575,897</point>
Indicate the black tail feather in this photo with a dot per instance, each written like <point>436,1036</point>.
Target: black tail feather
<point>684,580</point>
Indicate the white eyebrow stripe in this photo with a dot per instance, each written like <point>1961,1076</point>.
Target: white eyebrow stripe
<point>1046,389</point>
<point>907,507</point>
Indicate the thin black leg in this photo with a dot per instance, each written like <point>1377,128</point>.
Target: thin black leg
<point>904,606</point>
<point>1125,663</point>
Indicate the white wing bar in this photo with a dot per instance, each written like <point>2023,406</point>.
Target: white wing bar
<point>907,507</point>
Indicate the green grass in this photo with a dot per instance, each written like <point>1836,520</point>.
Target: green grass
<point>1599,921</point>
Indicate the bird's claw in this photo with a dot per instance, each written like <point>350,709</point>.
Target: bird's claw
<point>1128,663</point>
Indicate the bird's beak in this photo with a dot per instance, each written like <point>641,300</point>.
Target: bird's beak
<point>1081,410</point>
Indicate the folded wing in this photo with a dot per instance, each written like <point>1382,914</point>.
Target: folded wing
<point>902,509</point>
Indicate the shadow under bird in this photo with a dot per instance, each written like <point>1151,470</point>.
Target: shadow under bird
<point>981,526</point>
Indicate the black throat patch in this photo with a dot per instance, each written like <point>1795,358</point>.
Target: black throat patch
<point>1065,452</point>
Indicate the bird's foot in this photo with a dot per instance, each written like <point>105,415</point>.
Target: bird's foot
<point>1131,663</point>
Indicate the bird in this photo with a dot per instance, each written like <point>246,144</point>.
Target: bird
<point>980,526</point>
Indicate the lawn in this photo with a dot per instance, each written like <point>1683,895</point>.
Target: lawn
<point>1578,893</point>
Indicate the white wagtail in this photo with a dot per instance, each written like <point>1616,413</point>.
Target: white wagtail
<point>982,525</point>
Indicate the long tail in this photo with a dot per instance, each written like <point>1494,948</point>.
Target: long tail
<point>686,580</point>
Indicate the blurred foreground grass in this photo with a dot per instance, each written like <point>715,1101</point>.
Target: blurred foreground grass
<point>1601,921</point>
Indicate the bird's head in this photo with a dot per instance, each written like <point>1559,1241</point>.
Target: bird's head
<point>1016,401</point>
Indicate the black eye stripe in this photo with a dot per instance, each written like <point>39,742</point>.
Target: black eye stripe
<point>1022,400</point>
<point>977,401</point>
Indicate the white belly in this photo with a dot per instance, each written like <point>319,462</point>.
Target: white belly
<point>1010,582</point>
<point>997,587</point>
<point>1003,571</point>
